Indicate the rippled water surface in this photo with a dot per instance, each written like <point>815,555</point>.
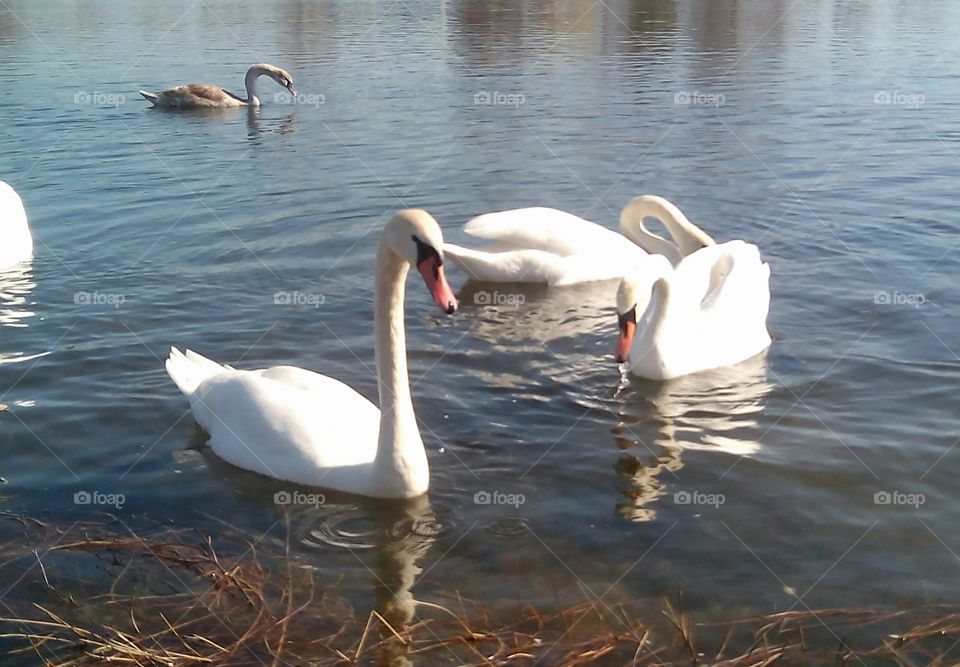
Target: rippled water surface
<point>826,132</point>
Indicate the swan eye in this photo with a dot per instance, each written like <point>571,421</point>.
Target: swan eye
<point>426,251</point>
<point>628,317</point>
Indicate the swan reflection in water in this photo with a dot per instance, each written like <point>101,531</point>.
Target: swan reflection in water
<point>16,309</point>
<point>257,126</point>
<point>389,538</point>
<point>714,411</point>
<point>397,535</point>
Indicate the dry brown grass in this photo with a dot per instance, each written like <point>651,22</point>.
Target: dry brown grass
<point>181,598</point>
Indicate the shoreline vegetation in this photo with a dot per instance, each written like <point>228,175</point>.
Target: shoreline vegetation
<point>88,594</point>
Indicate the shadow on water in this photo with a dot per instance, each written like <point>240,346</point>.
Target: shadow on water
<point>558,337</point>
<point>517,312</point>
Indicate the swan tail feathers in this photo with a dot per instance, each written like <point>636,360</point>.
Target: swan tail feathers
<point>188,369</point>
<point>153,97</point>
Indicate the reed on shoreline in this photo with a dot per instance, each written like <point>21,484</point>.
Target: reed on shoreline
<point>87,595</point>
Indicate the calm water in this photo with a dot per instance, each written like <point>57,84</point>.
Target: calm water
<point>823,131</point>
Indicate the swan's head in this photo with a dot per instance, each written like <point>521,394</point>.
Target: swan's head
<point>415,237</point>
<point>626,317</point>
<point>633,297</point>
<point>282,77</point>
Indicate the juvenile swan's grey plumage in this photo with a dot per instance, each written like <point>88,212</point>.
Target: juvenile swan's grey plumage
<point>206,96</point>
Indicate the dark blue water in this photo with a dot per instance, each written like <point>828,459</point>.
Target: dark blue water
<point>825,132</point>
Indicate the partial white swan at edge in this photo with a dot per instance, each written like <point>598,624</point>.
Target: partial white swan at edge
<point>17,242</point>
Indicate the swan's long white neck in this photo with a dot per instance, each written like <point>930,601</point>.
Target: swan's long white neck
<point>687,237</point>
<point>250,81</point>
<point>401,459</point>
<point>651,324</point>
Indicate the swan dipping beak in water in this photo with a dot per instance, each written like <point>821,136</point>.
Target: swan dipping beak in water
<point>207,96</point>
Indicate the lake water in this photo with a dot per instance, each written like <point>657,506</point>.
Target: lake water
<point>825,132</point>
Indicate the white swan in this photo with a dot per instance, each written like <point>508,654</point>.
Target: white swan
<point>544,245</point>
<point>206,96</point>
<point>685,237</point>
<point>308,428</point>
<point>16,244</point>
<point>707,312</point>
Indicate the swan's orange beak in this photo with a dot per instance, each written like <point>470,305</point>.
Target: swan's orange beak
<point>627,329</point>
<point>436,281</point>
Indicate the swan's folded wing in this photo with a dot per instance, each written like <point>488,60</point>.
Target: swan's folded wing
<point>205,91</point>
<point>546,229</point>
<point>300,378</point>
<point>513,266</point>
<point>284,422</point>
<point>740,284</point>
<point>196,96</point>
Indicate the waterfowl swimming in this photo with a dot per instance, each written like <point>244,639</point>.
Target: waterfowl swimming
<point>297,425</point>
<point>545,245</point>
<point>707,312</point>
<point>16,243</point>
<point>206,96</point>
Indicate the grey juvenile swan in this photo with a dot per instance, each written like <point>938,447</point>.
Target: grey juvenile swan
<point>206,96</point>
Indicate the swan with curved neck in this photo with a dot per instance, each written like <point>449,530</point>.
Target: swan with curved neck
<point>303,427</point>
<point>544,245</point>
<point>707,312</point>
<point>17,243</point>
<point>206,96</point>
<point>686,237</point>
